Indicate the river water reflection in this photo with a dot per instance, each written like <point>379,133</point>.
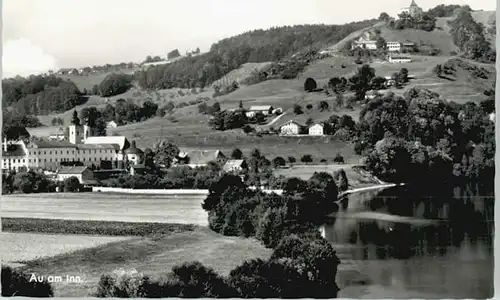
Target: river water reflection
<point>422,246</point>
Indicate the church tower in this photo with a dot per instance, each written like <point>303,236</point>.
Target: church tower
<point>76,134</point>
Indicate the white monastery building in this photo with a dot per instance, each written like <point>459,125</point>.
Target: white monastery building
<point>82,149</point>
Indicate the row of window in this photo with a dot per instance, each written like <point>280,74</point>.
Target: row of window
<point>23,160</point>
<point>72,152</point>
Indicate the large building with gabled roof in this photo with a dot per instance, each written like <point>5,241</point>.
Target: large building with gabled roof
<point>82,149</point>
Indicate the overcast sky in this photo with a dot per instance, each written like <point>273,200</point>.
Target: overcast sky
<point>49,34</point>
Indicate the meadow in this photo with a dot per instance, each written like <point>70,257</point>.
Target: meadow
<point>153,253</point>
<point>20,247</point>
<point>173,209</point>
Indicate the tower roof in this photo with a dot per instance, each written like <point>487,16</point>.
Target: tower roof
<point>413,3</point>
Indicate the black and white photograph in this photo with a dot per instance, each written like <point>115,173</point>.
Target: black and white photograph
<point>248,149</point>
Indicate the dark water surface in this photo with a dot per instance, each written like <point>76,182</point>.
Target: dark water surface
<point>402,240</point>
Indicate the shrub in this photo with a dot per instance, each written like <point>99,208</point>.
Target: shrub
<point>121,284</point>
<point>279,162</point>
<point>310,85</point>
<point>72,184</point>
<point>268,279</point>
<point>15,283</point>
<point>310,254</point>
<point>338,158</point>
<point>306,158</point>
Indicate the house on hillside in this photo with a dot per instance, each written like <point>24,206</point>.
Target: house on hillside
<point>264,109</point>
<point>413,10</point>
<point>364,44</point>
<point>372,94</point>
<point>317,129</point>
<point>389,81</point>
<point>200,158</point>
<point>84,174</point>
<point>277,111</point>
<point>58,136</point>
<point>235,165</point>
<point>399,58</point>
<point>111,124</point>
<point>393,46</point>
<point>292,128</point>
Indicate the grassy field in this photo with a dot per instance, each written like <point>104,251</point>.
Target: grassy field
<point>153,256</point>
<point>172,209</point>
<point>88,81</point>
<point>107,228</point>
<point>241,73</point>
<point>21,247</point>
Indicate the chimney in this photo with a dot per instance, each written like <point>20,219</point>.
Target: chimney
<point>133,145</point>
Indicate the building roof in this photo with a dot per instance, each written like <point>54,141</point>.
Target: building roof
<point>413,3</point>
<point>47,144</point>
<point>260,107</point>
<point>232,163</point>
<point>134,150</point>
<point>72,170</point>
<point>121,141</point>
<point>320,124</point>
<point>292,121</point>
<point>14,150</point>
<point>202,157</point>
<point>97,146</point>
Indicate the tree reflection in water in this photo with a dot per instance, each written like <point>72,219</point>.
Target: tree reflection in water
<point>450,254</point>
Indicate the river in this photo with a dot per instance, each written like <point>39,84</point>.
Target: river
<point>400,243</point>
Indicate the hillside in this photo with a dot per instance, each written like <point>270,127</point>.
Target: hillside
<point>245,54</point>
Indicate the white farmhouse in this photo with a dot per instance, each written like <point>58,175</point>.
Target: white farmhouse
<point>364,44</point>
<point>399,59</point>
<point>393,46</point>
<point>316,129</point>
<point>235,165</point>
<point>111,124</point>
<point>264,109</point>
<point>291,128</point>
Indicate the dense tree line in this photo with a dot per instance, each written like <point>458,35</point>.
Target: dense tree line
<point>425,21</point>
<point>40,94</point>
<point>27,183</point>
<point>468,35</point>
<point>14,125</point>
<point>150,59</point>
<point>123,112</point>
<point>420,138</point>
<point>113,84</point>
<point>254,46</point>
<point>444,10</point>
<point>97,69</point>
